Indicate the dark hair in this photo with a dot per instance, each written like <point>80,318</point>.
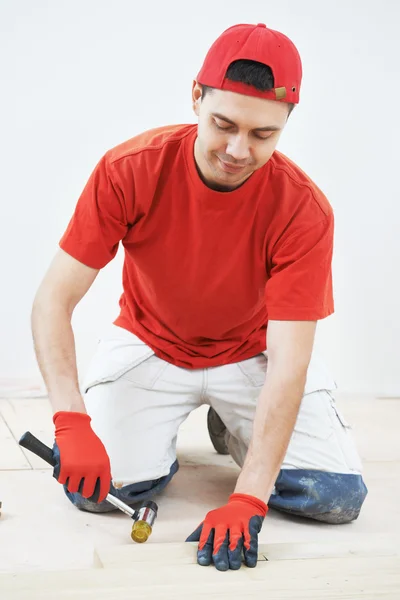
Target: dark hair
<point>252,73</point>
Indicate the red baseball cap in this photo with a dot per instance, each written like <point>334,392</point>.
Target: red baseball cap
<point>261,44</point>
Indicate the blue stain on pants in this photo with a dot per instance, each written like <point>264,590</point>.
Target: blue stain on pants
<point>329,497</point>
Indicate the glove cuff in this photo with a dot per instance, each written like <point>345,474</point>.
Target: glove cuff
<point>256,502</point>
<point>67,418</point>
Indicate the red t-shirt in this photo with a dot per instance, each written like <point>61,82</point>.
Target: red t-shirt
<point>204,270</point>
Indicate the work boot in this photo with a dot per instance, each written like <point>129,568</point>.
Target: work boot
<point>217,430</point>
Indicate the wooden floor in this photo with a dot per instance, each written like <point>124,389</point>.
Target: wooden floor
<point>48,545</point>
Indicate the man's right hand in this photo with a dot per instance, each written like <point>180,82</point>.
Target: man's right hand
<point>83,461</point>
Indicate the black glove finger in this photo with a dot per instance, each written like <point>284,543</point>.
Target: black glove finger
<point>195,536</point>
<point>72,484</point>
<point>105,487</point>
<point>235,556</point>
<point>81,484</point>
<point>204,556</point>
<point>221,560</point>
<point>94,497</point>
<point>251,554</point>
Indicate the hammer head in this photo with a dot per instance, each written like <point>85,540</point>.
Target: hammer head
<point>141,532</point>
<point>143,526</point>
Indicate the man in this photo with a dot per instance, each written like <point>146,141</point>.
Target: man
<point>228,249</point>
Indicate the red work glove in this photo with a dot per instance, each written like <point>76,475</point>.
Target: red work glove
<point>81,458</point>
<point>228,530</point>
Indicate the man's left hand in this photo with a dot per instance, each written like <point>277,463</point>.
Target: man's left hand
<point>228,530</point>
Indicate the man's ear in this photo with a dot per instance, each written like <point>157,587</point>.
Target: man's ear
<point>196,97</point>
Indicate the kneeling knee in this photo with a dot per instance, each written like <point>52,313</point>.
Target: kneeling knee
<point>336,498</point>
<point>329,497</point>
<point>82,503</point>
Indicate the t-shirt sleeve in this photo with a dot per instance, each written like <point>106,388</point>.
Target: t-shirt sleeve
<point>99,221</point>
<point>300,274</point>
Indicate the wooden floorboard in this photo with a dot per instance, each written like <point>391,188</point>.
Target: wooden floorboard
<point>186,553</point>
<point>11,455</point>
<point>32,415</point>
<point>47,546</point>
<point>369,578</point>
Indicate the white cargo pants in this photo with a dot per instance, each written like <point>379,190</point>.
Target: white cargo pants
<point>138,401</point>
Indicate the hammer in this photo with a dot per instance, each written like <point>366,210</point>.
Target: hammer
<point>143,518</point>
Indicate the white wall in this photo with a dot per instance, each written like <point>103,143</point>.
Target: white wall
<point>79,77</point>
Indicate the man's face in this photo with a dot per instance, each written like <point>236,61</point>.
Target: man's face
<point>232,141</point>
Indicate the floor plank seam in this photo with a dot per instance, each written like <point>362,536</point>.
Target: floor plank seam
<point>16,441</point>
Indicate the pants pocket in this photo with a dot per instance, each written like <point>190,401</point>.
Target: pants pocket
<point>312,419</point>
<point>345,437</point>
<point>123,355</point>
<point>320,441</point>
<point>338,413</point>
<point>144,374</point>
<point>254,369</point>
<point>318,377</point>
